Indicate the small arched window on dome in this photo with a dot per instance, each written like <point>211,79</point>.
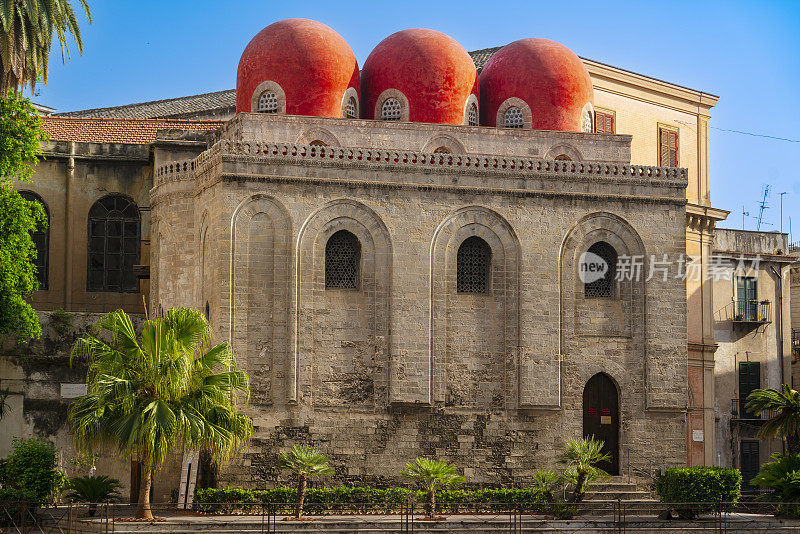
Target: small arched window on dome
<point>472,115</point>
<point>351,109</point>
<point>602,288</point>
<point>268,102</point>
<point>473,266</point>
<point>391,110</point>
<point>587,118</point>
<point>513,118</point>
<point>342,261</point>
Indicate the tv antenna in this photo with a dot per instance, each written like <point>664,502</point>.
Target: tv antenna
<point>762,206</point>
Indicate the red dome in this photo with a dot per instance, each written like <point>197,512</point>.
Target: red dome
<point>312,64</point>
<point>433,72</point>
<point>546,75</point>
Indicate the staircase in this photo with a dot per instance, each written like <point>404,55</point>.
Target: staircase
<point>620,488</point>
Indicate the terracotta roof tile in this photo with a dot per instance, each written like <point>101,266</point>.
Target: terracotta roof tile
<point>131,131</point>
<point>163,109</point>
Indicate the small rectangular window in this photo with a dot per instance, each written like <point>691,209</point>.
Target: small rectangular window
<point>749,381</point>
<point>668,147</point>
<point>603,122</point>
<point>746,298</point>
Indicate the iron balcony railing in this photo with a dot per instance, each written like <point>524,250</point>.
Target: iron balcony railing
<point>738,411</point>
<point>753,311</point>
<point>796,343</point>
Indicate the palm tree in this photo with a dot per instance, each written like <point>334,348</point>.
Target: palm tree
<point>305,462</point>
<point>432,475</point>
<point>581,458</point>
<point>158,394</point>
<point>26,35</point>
<point>786,421</point>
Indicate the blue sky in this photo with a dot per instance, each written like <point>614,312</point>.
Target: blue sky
<point>747,53</point>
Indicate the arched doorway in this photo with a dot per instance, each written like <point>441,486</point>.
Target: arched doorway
<point>601,417</point>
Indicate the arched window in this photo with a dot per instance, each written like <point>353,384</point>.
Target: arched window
<point>114,237</point>
<point>513,118</point>
<point>602,288</point>
<point>442,150</point>
<point>563,157</point>
<point>317,142</point>
<point>342,261</point>
<point>350,109</point>
<point>472,115</point>
<point>586,120</point>
<point>473,264</point>
<point>41,240</point>
<point>391,110</point>
<point>268,102</point>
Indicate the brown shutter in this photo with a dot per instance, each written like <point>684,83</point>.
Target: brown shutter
<point>663,142</point>
<point>603,122</point>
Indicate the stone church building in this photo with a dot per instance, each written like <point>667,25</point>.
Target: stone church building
<point>396,251</point>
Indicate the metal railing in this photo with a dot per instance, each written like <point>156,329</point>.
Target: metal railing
<point>740,413</point>
<point>753,311</point>
<point>640,464</point>
<point>409,517</point>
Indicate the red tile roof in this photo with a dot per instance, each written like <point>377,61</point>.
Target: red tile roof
<point>131,131</point>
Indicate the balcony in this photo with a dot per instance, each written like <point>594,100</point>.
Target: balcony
<point>753,312</point>
<point>739,413</point>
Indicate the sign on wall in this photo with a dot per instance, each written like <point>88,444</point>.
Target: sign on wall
<point>71,391</point>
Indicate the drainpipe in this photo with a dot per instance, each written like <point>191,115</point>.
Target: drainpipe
<point>68,228</point>
<point>779,319</point>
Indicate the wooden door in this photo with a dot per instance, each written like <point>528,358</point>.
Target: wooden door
<point>601,417</point>
<point>749,463</point>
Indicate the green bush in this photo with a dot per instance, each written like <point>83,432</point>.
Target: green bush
<point>782,479</point>
<point>32,468</point>
<point>699,485</point>
<point>355,499</point>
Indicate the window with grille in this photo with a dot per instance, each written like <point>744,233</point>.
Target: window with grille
<point>41,240</point>
<point>317,142</point>
<point>114,237</point>
<point>391,110</point>
<point>563,157</point>
<point>442,150</point>
<point>473,264</point>
<point>472,115</point>
<point>268,102</point>
<point>603,122</point>
<point>342,261</point>
<point>603,288</point>
<point>350,109</point>
<point>513,118</point>
<point>668,144</point>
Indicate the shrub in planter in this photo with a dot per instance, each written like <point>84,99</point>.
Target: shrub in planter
<point>699,485</point>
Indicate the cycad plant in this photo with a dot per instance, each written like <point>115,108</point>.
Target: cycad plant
<point>306,463</point>
<point>430,476</point>
<point>158,394</point>
<point>786,422</point>
<point>581,458</point>
<point>93,490</point>
<point>782,479</point>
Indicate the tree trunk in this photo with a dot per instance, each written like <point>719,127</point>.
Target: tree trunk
<point>301,495</point>
<point>143,511</point>
<point>792,445</point>
<point>577,493</point>
<point>430,506</point>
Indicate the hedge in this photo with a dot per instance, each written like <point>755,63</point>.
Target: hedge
<point>699,485</point>
<point>353,499</point>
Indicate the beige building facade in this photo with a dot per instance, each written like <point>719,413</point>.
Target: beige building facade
<point>752,321</point>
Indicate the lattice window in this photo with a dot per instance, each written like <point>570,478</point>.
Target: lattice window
<point>317,142</point>
<point>114,236</point>
<point>350,109</point>
<point>41,240</point>
<point>391,110</point>
<point>563,157</point>
<point>472,115</point>
<point>442,150</point>
<point>268,102</point>
<point>342,261</point>
<point>604,287</point>
<point>513,118</point>
<point>473,264</point>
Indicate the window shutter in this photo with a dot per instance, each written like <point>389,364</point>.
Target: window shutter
<point>603,122</point>
<point>668,147</point>
<point>749,380</point>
